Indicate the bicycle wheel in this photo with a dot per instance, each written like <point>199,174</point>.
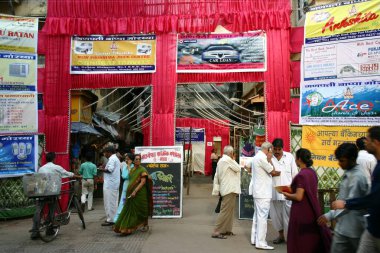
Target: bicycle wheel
<point>79,210</point>
<point>47,229</point>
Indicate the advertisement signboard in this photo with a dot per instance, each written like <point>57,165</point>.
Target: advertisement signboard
<point>205,53</point>
<point>323,140</point>
<point>18,34</point>
<point>18,112</point>
<point>183,134</point>
<point>18,155</point>
<point>164,164</point>
<point>113,54</point>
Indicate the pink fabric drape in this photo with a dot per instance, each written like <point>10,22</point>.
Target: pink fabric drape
<point>296,74</point>
<point>221,77</point>
<point>277,86</point>
<point>296,39</point>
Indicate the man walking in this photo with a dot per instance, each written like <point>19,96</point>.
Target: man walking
<point>88,171</point>
<point>227,176</point>
<point>285,163</point>
<point>111,185</point>
<point>262,173</point>
<point>370,239</point>
<point>365,159</point>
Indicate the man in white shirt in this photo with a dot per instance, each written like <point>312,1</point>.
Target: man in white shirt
<point>111,185</point>
<point>366,160</point>
<point>49,167</point>
<point>262,172</point>
<point>227,176</point>
<point>279,206</point>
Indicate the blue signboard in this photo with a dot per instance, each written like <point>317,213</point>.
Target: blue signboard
<point>18,155</point>
<point>183,134</point>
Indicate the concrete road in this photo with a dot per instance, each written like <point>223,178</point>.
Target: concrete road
<point>190,234</point>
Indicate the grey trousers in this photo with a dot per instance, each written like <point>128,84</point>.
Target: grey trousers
<point>344,244</point>
<point>369,243</point>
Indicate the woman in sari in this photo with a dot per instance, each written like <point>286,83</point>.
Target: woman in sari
<point>127,166</point>
<point>304,234</point>
<point>138,205</point>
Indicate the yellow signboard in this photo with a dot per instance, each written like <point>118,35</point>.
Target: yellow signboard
<point>323,140</point>
<point>113,54</point>
<point>341,21</point>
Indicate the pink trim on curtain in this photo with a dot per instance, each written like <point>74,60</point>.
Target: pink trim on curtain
<point>296,39</point>
<point>296,74</point>
<point>277,81</point>
<point>295,110</point>
<point>221,77</point>
<point>164,83</point>
<point>99,81</point>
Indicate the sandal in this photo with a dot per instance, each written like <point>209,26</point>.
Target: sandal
<point>145,228</point>
<point>228,233</point>
<point>219,236</point>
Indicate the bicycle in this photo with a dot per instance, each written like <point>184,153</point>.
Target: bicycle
<point>50,224</point>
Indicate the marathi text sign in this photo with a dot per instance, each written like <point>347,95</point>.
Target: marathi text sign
<point>18,72</point>
<point>197,53</point>
<point>164,164</point>
<point>183,134</point>
<point>18,155</point>
<point>346,59</point>
<point>113,54</point>
<point>18,112</point>
<point>342,21</point>
<point>340,102</point>
<point>18,34</point>
<point>323,140</point>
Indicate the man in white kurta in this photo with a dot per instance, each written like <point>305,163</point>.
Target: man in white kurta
<point>366,160</point>
<point>111,185</point>
<point>262,172</point>
<point>280,207</point>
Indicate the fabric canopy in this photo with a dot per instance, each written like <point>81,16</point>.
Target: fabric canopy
<point>80,127</point>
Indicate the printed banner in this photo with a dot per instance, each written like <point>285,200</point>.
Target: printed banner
<point>342,21</point>
<point>323,140</point>
<point>340,102</point>
<point>359,58</point>
<point>18,72</point>
<point>18,112</point>
<point>113,54</point>
<point>18,34</point>
<point>18,155</point>
<point>164,165</point>
<point>183,134</point>
<point>243,52</point>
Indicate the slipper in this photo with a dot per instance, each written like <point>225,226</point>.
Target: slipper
<point>219,236</point>
<point>228,233</point>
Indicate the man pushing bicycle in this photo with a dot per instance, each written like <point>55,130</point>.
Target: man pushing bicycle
<point>49,167</point>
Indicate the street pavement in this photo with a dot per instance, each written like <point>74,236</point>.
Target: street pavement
<point>190,234</point>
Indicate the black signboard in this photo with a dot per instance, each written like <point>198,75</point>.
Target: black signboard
<point>245,200</point>
<point>164,164</point>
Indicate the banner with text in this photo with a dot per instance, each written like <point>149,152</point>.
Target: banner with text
<point>18,34</point>
<point>113,54</point>
<point>18,72</point>
<point>18,112</point>
<point>183,134</point>
<point>323,140</point>
<point>340,102</point>
<point>18,155</point>
<point>243,52</point>
<point>164,164</point>
<point>344,20</point>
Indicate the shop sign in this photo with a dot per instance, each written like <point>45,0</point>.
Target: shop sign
<point>113,54</point>
<point>205,53</point>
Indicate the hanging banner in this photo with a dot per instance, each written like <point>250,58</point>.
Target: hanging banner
<point>18,72</point>
<point>113,54</point>
<point>345,20</point>
<point>340,102</point>
<point>18,155</point>
<point>245,200</point>
<point>323,140</point>
<point>18,112</point>
<point>359,58</point>
<point>18,34</point>
<point>164,165</point>
<point>182,134</point>
<point>205,53</point>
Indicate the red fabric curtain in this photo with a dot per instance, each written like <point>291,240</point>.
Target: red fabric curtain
<point>296,39</point>
<point>296,74</point>
<point>277,86</point>
<point>221,77</point>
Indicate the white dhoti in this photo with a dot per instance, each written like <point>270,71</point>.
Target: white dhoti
<point>111,199</point>
<point>279,213</point>
<point>259,222</point>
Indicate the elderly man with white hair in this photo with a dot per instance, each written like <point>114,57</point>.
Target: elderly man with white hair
<point>227,179</point>
<point>262,173</point>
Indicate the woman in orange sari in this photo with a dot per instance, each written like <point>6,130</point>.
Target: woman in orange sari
<point>138,205</point>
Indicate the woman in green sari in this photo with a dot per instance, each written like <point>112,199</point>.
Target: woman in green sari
<point>138,205</point>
